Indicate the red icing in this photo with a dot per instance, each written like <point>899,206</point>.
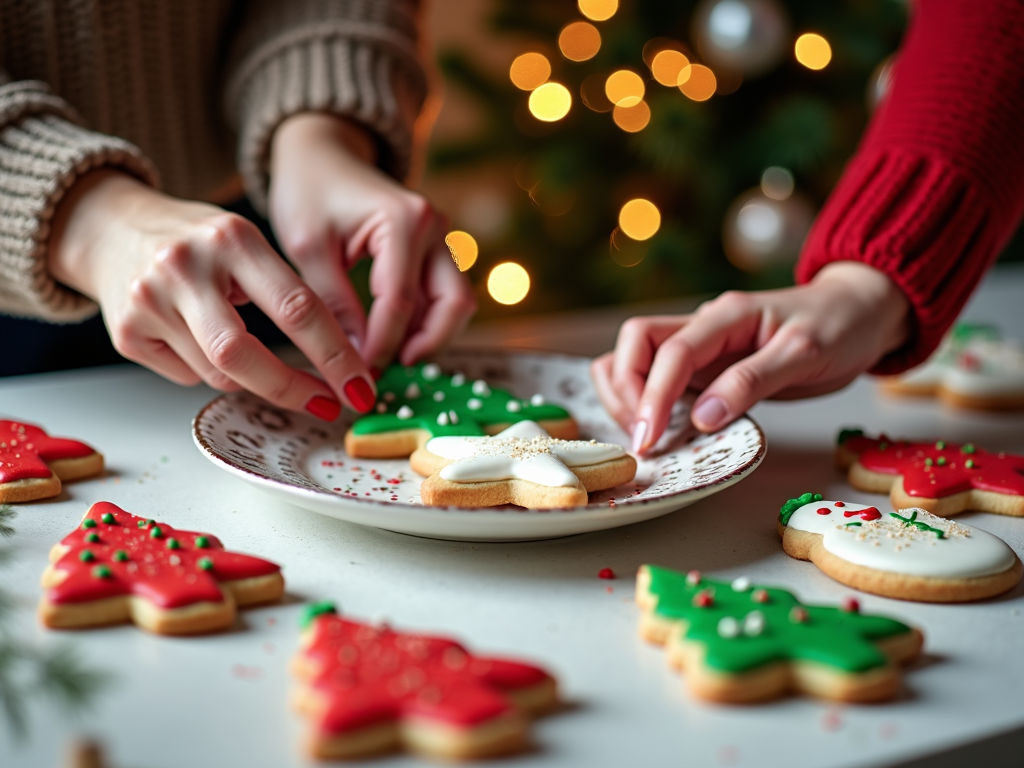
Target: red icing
<point>25,449</point>
<point>999,473</point>
<point>373,675</point>
<point>839,504</point>
<point>168,578</point>
<point>824,511</point>
<point>606,573</point>
<point>867,515</point>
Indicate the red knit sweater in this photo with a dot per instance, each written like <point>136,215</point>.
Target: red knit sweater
<point>936,188</point>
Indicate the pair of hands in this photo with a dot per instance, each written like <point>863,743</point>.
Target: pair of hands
<point>168,273</point>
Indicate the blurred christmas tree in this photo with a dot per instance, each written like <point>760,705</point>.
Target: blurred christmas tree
<point>731,119</point>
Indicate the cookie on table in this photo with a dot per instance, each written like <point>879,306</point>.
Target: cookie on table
<point>116,567</point>
<point>416,403</point>
<point>942,478</point>
<point>973,369</point>
<point>523,465</point>
<point>738,642</point>
<point>33,464</point>
<point>908,555</point>
<point>369,689</point>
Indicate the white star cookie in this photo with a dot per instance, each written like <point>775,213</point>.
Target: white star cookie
<point>523,465</point>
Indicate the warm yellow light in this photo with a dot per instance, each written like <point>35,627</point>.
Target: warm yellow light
<point>639,219</point>
<point>579,41</point>
<point>813,51</point>
<point>667,65</point>
<point>550,102</point>
<point>463,247</point>
<point>697,82</point>
<point>508,283</point>
<point>632,119</point>
<point>598,10</point>
<point>624,88</point>
<point>529,71</point>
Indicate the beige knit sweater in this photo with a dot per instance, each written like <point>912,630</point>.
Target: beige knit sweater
<point>187,92</point>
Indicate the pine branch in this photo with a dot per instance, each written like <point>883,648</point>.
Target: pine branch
<point>12,698</point>
<point>62,675</point>
<point>7,513</point>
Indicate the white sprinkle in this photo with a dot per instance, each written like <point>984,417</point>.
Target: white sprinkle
<point>431,371</point>
<point>753,624</point>
<point>474,405</point>
<point>405,412</point>
<point>389,397</point>
<point>382,408</point>
<point>513,406</point>
<point>438,397</point>
<point>728,627</point>
<point>480,388</point>
<point>458,379</point>
<point>442,419</point>
<point>537,399</point>
<point>742,584</point>
<point>453,417</point>
<point>412,391</point>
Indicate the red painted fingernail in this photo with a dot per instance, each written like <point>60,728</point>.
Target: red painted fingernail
<point>360,394</point>
<point>326,408</point>
<point>376,373</point>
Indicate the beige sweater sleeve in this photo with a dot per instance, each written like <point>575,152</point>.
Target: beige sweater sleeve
<point>356,58</point>
<point>43,150</point>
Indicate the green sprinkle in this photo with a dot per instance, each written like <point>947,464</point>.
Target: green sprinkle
<point>120,556</point>
<point>101,572</point>
<point>143,523</point>
<point>968,448</point>
<point>88,523</point>
<point>92,538</point>
<point>108,518</point>
<point>856,524</point>
<point>173,544</point>
<point>846,433</point>
<point>883,445</point>
<point>202,542</point>
<point>928,462</point>
<point>941,461</point>
<point>205,564</point>
<point>156,533</point>
<point>86,556</point>
<point>311,611</point>
<point>969,463</point>
<point>940,445</point>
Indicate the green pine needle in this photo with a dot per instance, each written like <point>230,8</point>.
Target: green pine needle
<point>7,513</point>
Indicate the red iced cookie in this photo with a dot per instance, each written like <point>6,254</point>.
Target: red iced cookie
<point>33,464</point>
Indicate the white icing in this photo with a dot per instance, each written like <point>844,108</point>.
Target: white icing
<point>442,419</point>
<point>523,451</point>
<point>981,366</point>
<point>431,371</point>
<point>405,412</point>
<point>453,417</point>
<point>753,623</point>
<point>473,404</point>
<point>742,584</point>
<point>537,400</point>
<point>480,388</point>
<point>728,627</point>
<point>412,391</point>
<point>438,396</point>
<point>513,406</point>
<point>458,379</point>
<point>888,544</point>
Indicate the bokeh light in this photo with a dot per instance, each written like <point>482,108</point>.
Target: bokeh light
<point>593,95</point>
<point>625,251</point>
<point>632,119</point>
<point>813,51</point>
<point>640,219</point>
<point>598,10</point>
<point>579,41</point>
<point>666,66</point>
<point>529,71</point>
<point>624,88</point>
<point>508,283</point>
<point>777,183</point>
<point>550,102</point>
<point>697,82</point>
<point>463,248</point>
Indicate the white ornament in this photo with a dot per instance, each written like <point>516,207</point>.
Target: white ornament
<point>513,406</point>
<point>405,412</point>
<point>412,391</point>
<point>537,400</point>
<point>745,36</point>
<point>458,379</point>
<point>438,396</point>
<point>728,627</point>
<point>474,405</point>
<point>742,584</point>
<point>431,371</point>
<point>480,388</point>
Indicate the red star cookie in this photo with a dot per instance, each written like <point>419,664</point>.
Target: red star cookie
<point>117,567</point>
<point>33,464</point>
<point>370,689</point>
<point>942,478</point>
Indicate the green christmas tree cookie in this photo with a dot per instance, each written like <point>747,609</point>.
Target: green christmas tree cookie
<point>416,403</point>
<point>738,642</point>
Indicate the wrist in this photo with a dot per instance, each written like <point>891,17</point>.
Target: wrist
<point>307,131</point>
<point>878,296</point>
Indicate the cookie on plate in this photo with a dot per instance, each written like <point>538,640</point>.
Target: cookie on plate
<point>908,555</point>
<point>523,465</point>
<point>942,478</point>
<point>116,567</point>
<point>416,403</point>
<point>738,642</point>
<point>33,464</point>
<point>369,689</point>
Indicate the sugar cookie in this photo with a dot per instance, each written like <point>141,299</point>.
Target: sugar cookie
<point>33,464</point>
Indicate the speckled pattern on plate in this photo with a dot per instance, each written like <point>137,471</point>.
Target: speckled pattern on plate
<point>302,460</point>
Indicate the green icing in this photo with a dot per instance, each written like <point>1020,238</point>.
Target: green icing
<point>912,520</point>
<point>846,433</point>
<point>493,406</point>
<point>792,505</point>
<point>830,636</point>
<point>311,611</point>
<point>962,333</point>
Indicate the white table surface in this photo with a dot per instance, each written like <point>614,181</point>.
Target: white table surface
<point>221,700</point>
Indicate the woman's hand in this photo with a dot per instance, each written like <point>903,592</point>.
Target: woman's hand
<point>330,206</point>
<point>168,274</point>
<point>745,347</point>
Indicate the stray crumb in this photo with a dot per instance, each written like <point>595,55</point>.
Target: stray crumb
<point>832,720</point>
<point>245,672</point>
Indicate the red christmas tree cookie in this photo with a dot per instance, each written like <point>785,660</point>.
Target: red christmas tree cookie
<point>942,478</point>
<point>33,464</point>
<point>117,567</point>
<point>369,689</point>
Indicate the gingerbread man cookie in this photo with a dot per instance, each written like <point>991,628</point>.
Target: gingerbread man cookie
<point>523,465</point>
<point>908,555</point>
<point>942,478</point>
<point>33,464</point>
<point>369,689</point>
<point>116,567</point>
<point>416,403</point>
<point>737,642</point>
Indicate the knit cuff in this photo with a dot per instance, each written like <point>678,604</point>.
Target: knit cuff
<point>359,70</point>
<point>920,221</point>
<point>42,153</point>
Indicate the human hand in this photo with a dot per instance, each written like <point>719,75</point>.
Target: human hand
<point>168,275</point>
<point>744,347</point>
<point>330,206</point>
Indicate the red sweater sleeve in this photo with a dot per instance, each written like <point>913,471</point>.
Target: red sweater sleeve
<point>936,188</point>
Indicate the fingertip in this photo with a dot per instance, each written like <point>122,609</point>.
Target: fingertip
<point>710,413</point>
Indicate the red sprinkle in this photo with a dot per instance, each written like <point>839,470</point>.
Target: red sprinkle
<point>798,615</point>
<point>839,504</point>
<point>851,605</point>
<point>824,511</point>
<point>759,596</point>
<point>703,600</point>
<point>606,573</point>
<point>394,481</point>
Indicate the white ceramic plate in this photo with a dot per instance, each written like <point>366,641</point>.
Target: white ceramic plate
<point>302,460</point>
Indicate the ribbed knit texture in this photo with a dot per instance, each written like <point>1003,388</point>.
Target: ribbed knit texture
<point>936,188</point>
<point>160,75</point>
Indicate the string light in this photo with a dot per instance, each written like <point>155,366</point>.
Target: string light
<point>640,219</point>
<point>508,283</point>
<point>697,82</point>
<point>592,93</point>
<point>550,102</point>
<point>625,251</point>
<point>813,51</point>
<point>624,88</point>
<point>579,41</point>
<point>666,66</point>
<point>777,183</point>
<point>632,119</point>
<point>598,10</point>
<point>529,71</point>
<point>463,248</point>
